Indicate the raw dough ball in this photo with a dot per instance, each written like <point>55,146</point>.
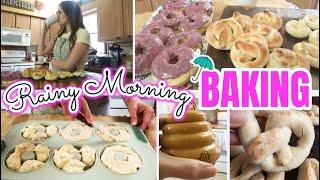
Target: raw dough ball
<point>30,165</point>
<point>113,133</point>
<point>68,148</point>
<point>74,166</point>
<point>14,161</point>
<point>51,130</point>
<point>38,132</point>
<point>60,158</point>
<point>42,152</point>
<point>88,155</point>
<point>24,147</point>
<point>76,132</point>
<point>121,159</point>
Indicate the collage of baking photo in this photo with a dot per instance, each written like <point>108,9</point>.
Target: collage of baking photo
<point>67,44</point>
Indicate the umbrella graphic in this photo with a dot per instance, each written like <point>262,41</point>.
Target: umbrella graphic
<point>203,62</point>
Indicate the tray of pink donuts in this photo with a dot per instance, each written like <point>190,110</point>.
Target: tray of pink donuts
<point>168,41</point>
<point>256,37</point>
<point>277,145</point>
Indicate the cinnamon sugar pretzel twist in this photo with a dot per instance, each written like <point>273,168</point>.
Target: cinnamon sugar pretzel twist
<point>244,20</point>
<point>270,149</point>
<point>309,170</point>
<point>242,169</point>
<point>273,36</point>
<point>222,34</point>
<point>250,51</point>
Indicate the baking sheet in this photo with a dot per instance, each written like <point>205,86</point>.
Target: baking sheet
<point>222,58</point>
<point>49,171</point>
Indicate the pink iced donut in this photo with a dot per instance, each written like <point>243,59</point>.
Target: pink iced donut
<point>173,64</point>
<point>168,18</point>
<point>159,30</point>
<point>197,22</point>
<point>191,39</point>
<point>175,4</point>
<point>147,47</point>
<point>199,7</point>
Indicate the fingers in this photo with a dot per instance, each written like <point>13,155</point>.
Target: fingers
<point>237,118</point>
<point>234,138</point>
<point>86,110</point>
<point>148,114</point>
<point>133,110</point>
<point>188,168</point>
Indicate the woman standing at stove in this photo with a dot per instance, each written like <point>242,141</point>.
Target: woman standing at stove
<point>70,50</point>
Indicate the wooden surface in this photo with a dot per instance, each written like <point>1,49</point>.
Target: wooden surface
<point>127,17</point>
<point>143,6</point>
<point>36,30</point>
<point>110,19</point>
<point>22,21</point>
<point>305,4</point>
<point>21,11</point>
<point>8,19</point>
<point>222,58</point>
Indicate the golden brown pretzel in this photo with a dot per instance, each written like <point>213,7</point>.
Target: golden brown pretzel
<point>309,170</point>
<point>243,169</point>
<point>273,36</point>
<point>270,149</point>
<point>285,58</point>
<point>250,51</point>
<point>244,20</point>
<point>268,18</point>
<point>222,34</point>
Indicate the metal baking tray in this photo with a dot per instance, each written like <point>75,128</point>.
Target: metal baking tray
<point>138,142</point>
<point>222,57</point>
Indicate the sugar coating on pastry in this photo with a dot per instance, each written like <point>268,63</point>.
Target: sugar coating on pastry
<point>88,155</point>
<point>298,29</point>
<point>38,132</point>
<point>244,20</point>
<point>51,76</point>
<point>273,36</point>
<point>314,37</point>
<point>13,162</point>
<point>42,152</point>
<point>30,165</point>
<point>121,159</point>
<point>312,20</point>
<point>285,58</point>
<point>222,34</point>
<point>72,160</point>
<point>113,132</point>
<point>250,51</point>
<point>268,18</point>
<point>76,132</point>
<point>310,51</point>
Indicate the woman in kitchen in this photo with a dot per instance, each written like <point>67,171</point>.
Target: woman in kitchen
<point>70,49</point>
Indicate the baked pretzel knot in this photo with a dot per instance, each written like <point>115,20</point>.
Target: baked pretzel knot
<point>242,169</point>
<point>222,34</point>
<point>309,170</point>
<point>270,149</point>
<point>250,51</point>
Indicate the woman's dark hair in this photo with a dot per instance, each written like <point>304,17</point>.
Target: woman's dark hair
<point>73,12</point>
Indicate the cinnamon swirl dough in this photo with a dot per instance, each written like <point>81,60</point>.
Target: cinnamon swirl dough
<point>244,20</point>
<point>268,18</point>
<point>298,29</point>
<point>250,51</point>
<point>285,58</point>
<point>273,36</point>
<point>222,34</point>
<point>310,51</point>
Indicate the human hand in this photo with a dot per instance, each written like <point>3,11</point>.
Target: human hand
<point>170,166</point>
<point>151,133</point>
<point>138,110</point>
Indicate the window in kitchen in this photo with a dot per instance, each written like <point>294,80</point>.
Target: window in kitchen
<point>90,21</point>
